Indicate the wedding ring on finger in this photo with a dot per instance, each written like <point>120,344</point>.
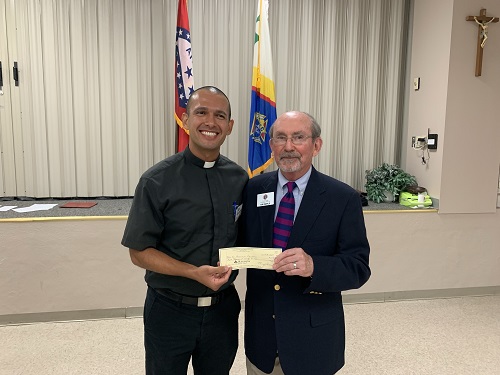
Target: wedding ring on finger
<point>294,266</point>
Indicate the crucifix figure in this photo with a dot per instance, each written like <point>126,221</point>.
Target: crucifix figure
<point>482,21</point>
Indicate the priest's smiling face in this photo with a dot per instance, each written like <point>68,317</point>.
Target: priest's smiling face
<point>208,122</point>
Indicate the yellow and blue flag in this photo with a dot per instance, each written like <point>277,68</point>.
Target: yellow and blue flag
<point>263,105</point>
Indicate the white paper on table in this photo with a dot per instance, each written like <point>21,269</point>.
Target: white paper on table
<point>35,207</point>
<point>6,208</point>
<point>248,257</point>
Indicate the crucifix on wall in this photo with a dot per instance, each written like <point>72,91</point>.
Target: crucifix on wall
<point>482,23</point>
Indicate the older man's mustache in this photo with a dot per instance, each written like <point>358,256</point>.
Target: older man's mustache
<point>289,155</point>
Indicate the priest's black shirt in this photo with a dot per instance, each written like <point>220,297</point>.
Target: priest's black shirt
<point>185,208</point>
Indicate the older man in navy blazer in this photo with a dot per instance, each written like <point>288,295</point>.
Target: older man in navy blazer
<point>294,319</point>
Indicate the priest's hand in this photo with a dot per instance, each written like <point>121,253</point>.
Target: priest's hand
<point>213,277</point>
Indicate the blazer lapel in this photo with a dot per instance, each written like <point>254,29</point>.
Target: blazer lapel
<point>266,213</point>
<point>312,203</point>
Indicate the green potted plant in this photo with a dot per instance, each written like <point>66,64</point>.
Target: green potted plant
<point>385,182</point>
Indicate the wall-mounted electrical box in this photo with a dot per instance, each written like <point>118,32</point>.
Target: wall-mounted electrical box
<point>432,141</point>
<point>418,142</point>
<point>421,142</point>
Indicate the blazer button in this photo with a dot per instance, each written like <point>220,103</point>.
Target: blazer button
<point>277,287</point>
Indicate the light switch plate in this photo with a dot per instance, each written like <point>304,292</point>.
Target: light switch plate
<point>416,83</point>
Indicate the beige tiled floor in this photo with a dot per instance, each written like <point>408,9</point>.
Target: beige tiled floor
<point>443,336</point>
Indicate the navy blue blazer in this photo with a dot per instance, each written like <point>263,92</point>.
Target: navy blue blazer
<point>302,318</point>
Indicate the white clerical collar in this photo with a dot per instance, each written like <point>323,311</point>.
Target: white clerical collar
<point>209,164</point>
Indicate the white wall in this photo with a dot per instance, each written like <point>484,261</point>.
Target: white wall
<point>72,265</point>
<point>66,265</point>
<point>461,108</point>
<point>427,106</point>
<point>472,139</point>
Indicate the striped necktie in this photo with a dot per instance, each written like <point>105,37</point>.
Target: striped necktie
<point>284,219</point>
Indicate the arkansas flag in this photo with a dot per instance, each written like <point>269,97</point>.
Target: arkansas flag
<point>263,105</point>
<point>184,82</point>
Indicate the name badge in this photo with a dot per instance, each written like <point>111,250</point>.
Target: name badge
<point>265,199</point>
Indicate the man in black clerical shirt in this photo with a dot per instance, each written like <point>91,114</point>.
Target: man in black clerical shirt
<point>183,212</point>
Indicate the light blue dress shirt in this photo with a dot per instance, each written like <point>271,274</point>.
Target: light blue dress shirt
<point>298,192</point>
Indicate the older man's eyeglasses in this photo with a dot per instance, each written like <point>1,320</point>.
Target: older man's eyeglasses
<point>297,139</point>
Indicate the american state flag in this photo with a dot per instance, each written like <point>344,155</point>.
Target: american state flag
<point>184,80</point>
<point>263,105</point>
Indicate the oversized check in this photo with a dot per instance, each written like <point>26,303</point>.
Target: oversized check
<point>248,257</point>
